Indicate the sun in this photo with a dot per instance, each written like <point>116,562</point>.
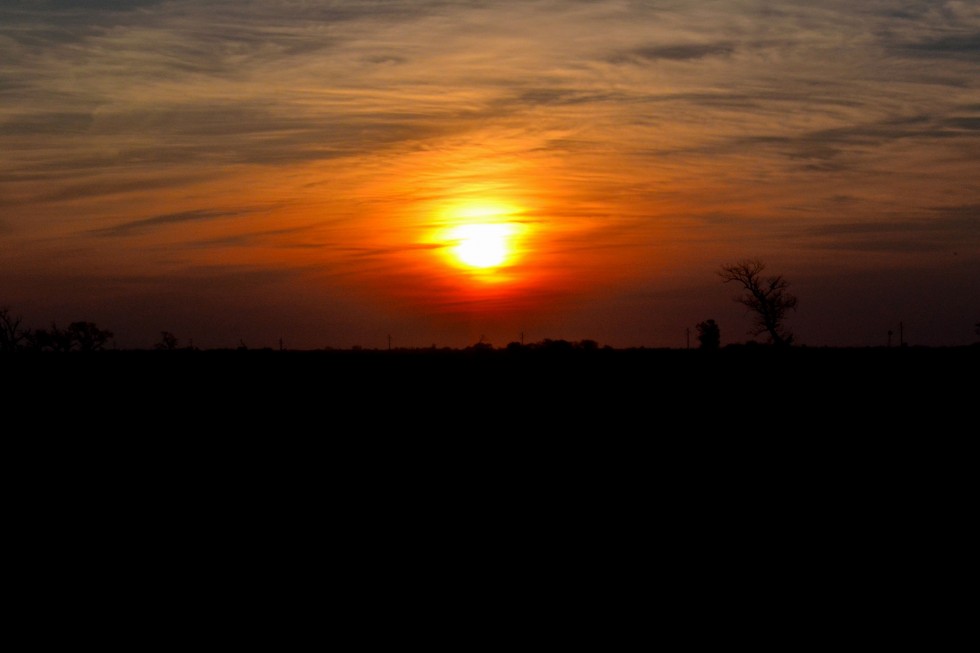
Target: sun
<point>481,239</point>
<point>482,245</point>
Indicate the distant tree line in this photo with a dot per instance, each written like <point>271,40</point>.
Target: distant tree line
<point>557,345</point>
<point>77,336</point>
<point>765,297</point>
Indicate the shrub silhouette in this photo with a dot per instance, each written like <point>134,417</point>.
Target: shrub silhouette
<point>709,335</point>
<point>168,341</point>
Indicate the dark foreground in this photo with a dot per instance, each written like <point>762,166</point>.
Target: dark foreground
<point>813,484</point>
<point>761,390</point>
<point>739,417</point>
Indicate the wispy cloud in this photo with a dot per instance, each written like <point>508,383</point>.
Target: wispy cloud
<point>942,228</point>
<point>266,236</point>
<point>273,83</point>
<point>677,52</point>
<point>613,118</point>
<point>964,47</point>
<point>134,226</point>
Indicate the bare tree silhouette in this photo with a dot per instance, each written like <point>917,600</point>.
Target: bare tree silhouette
<point>767,297</point>
<point>11,335</point>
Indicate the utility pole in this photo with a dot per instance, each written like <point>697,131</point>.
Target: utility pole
<point>688,330</point>
<point>389,342</point>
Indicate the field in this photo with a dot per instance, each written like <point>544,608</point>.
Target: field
<point>634,390</point>
<point>742,459</point>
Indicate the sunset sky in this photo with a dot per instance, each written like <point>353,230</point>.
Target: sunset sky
<point>240,171</point>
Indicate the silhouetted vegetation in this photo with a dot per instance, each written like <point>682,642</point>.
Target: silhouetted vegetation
<point>168,341</point>
<point>551,388</point>
<point>709,335</point>
<point>767,297</point>
<point>11,335</point>
<point>79,336</point>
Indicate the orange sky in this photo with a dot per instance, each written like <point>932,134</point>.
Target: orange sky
<point>249,171</point>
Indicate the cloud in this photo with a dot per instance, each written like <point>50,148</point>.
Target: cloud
<point>135,226</point>
<point>250,238</point>
<point>942,228</point>
<point>207,87</point>
<point>970,123</point>
<point>123,183</point>
<point>96,5</point>
<point>824,149</point>
<point>678,52</point>
<point>45,123</point>
<point>964,47</point>
<point>965,215</point>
